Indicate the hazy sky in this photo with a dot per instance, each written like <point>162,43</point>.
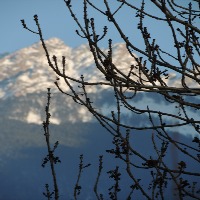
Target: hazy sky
<point>55,22</point>
<point>53,15</point>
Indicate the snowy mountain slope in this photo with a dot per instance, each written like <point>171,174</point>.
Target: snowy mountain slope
<point>26,72</point>
<point>25,75</point>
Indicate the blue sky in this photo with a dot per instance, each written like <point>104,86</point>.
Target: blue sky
<point>53,16</point>
<point>56,22</point>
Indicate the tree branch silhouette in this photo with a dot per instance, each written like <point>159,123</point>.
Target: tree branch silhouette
<point>149,74</point>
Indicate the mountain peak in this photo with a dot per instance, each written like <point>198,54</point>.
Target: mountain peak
<point>55,43</point>
<point>26,73</point>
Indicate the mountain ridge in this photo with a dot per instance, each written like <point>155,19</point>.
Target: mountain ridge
<point>26,72</point>
<point>26,75</point>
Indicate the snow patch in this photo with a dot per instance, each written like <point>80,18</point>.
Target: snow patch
<point>34,117</point>
<point>85,116</point>
<point>2,94</point>
<point>54,120</point>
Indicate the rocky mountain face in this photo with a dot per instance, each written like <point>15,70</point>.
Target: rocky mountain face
<point>24,79</point>
<point>25,75</point>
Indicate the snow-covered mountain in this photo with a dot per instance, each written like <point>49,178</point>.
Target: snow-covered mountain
<point>24,79</point>
<point>25,75</point>
<point>26,71</point>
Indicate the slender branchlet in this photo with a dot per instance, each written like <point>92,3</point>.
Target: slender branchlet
<point>98,196</point>
<point>77,187</point>
<point>50,158</point>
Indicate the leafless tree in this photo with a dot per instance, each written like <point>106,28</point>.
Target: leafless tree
<point>151,73</point>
